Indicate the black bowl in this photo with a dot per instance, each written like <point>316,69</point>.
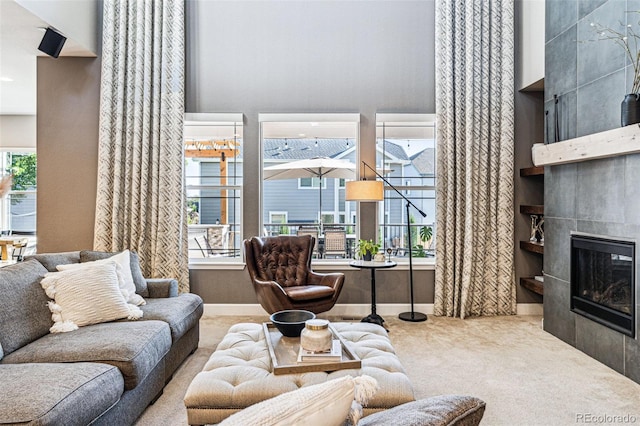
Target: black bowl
<point>291,322</point>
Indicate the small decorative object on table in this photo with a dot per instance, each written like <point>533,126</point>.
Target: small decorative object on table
<point>316,336</point>
<point>291,322</point>
<point>366,249</point>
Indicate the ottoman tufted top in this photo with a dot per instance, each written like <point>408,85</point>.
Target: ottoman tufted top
<point>238,373</point>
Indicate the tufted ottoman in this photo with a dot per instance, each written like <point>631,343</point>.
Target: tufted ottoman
<point>238,374</point>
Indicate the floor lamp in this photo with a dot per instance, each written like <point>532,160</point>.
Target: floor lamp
<point>365,190</point>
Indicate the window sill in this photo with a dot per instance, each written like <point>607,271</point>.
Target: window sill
<point>419,264</point>
<point>208,264</point>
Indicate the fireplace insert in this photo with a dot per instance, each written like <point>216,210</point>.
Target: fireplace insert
<point>603,281</point>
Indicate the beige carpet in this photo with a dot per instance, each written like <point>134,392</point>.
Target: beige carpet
<point>525,375</point>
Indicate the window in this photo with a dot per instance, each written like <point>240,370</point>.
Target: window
<point>405,153</point>
<point>310,183</point>
<point>18,207</point>
<point>295,151</point>
<point>213,173</point>
<point>282,219</point>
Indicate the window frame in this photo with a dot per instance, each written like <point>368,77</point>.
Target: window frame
<point>406,187</point>
<point>236,188</point>
<point>346,118</point>
<point>5,206</point>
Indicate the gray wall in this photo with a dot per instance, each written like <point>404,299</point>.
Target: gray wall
<point>596,197</point>
<point>309,57</point>
<point>67,147</point>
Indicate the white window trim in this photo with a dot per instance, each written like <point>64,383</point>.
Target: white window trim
<point>408,120</point>
<point>217,119</point>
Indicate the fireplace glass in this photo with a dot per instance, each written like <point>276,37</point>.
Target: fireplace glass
<point>602,281</point>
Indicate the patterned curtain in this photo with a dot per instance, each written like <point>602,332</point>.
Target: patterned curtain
<point>475,108</point>
<point>140,197</point>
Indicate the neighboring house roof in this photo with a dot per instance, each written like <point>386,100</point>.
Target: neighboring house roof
<point>394,150</point>
<point>424,162</point>
<point>297,149</point>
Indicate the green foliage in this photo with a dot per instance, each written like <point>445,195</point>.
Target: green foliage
<point>284,230</point>
<point>418,251</point>
<point>426,232</point>
<point>365,246</point>
<point>193,212</point>
<point>23,168</point>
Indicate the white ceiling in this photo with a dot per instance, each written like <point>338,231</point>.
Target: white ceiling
<point>20,34</point>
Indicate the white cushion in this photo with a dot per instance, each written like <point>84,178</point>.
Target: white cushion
<point>88,295</point>
<point>325,404</point>
<point>126,284</point>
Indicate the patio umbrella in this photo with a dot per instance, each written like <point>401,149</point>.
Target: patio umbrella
<point>320,167</point>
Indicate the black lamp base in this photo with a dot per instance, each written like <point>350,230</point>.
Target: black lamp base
<point>412,316</point>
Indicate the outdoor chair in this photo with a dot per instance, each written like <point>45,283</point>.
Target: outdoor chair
<point>280,271</point>
<point>203,245</point>
<point>19,250</point>
<point>335,243</point>
<point>218,239</point>
<point>313,231</point>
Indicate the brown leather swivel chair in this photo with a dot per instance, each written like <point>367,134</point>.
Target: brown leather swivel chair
<point>280,270</point>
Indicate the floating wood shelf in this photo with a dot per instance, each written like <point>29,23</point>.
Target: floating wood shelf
<point>532,247</point>
<point>535,209</point>
<point>532,284</point>
<point>610,143</point>
<point>532,171</point>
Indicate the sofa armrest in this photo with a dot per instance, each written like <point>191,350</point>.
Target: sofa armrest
<point>162,287</point>
<point>442,410</point>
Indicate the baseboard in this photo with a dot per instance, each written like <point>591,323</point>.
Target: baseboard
<point>529,309</point>
<point>355,310</point>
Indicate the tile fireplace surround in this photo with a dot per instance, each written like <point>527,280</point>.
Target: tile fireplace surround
<point>592,186</point>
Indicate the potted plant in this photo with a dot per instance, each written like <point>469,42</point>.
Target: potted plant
<point>365,249</point>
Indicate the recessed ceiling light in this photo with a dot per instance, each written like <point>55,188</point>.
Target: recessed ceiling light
<point>6,79</point>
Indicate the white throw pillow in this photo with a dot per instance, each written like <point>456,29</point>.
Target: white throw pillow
<point>324,404</point>
<point>84,296</point>
<point>127,284</point>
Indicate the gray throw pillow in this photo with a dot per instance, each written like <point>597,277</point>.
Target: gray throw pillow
<point>136,272</point>
<point>443,410</point>
<point>24,316</point>
<point>51,260</point>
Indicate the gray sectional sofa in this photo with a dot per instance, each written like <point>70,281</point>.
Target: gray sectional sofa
<point>103,374</point>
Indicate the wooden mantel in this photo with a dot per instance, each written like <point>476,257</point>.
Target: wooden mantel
<point>611,143</point>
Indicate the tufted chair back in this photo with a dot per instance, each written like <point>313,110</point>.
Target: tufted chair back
<point>284,259</point>
<point>280,271</point>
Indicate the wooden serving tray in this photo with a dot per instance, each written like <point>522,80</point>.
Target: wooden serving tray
<point>284,354</point>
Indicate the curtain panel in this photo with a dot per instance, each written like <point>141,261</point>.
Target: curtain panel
<point>475,153</point>
<point>140,195</point>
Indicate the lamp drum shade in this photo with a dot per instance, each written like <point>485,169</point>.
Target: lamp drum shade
<point>364,190</point>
